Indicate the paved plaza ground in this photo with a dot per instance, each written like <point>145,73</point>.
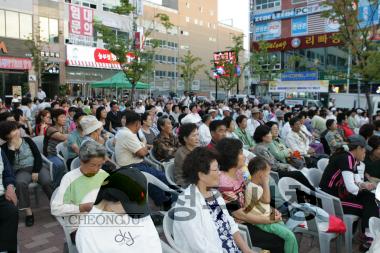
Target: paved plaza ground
<point>46,235</point>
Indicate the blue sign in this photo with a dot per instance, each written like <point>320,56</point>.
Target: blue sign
<point>268,31</point>
<point>368,14</point>
<point>299,26</point>
<point>299,76</point>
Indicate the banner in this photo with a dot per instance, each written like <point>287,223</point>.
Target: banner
<point>302,42</point>
<point>299,76</point>
<point>299,86</point>
<point>81,21</point>
<point>90,57</point>
<point>299,26</point>
<point>15,63</point>
<point>268,31</point>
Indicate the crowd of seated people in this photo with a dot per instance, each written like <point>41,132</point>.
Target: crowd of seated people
<point>221,172</point>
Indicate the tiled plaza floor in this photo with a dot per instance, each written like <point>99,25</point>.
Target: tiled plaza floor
<point>46,236</point>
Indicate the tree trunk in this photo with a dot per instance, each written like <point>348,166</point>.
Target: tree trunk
<point>132,92</point>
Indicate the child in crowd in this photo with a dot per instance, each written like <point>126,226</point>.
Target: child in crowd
<point>258,198</point>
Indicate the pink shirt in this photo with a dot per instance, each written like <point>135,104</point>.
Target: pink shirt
<point>232,189</point>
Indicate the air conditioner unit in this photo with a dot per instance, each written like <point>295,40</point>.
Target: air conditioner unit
<point>277,66</point>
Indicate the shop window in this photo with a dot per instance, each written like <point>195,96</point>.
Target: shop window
<point>12,24</point>
<point>26,30</point>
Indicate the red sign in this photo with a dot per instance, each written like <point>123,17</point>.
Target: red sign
<point>104,56</point>
<point>302,42</point>
<point>15,63</point>
<point>81,21</point>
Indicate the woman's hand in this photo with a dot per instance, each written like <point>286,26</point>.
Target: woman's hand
<point>10,194</point>
<point>34,177</point>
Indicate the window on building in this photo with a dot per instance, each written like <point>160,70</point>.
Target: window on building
<point>201,22</point>
<point>2,23</point>
<point>160,73</point>
<point>49,29</point>
<point>266,4</point>
<point>201,9</point>
<point>211,13</point>
<point>187,19</point>
<point>12,24</point>
<point>26,30</point>
<point>196,21</point>
<point>188,4</point>
<point>299,1</point>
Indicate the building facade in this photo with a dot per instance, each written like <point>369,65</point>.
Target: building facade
<point>196,29</point>
<point>301,39</point>
<point>20,21</point>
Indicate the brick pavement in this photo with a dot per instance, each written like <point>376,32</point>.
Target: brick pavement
<point>46,235</point>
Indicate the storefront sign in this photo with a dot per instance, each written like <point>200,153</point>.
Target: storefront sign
<point>81,20</point>
<point>299,26</point>
<point>299,86</point>
<point>289,13</point>
<point>299,76</point>
<point>3,47</point>
<point>90,57</point>
<point>15,63</point>
<point>268,31</point>
<point>302,42</point>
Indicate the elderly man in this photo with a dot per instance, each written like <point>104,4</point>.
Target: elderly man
<point>79,188</point>
<point>254,122</point>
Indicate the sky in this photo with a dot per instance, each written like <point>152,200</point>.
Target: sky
<point>238,11</point>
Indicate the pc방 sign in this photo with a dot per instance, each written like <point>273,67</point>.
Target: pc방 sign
<point>289,13</point>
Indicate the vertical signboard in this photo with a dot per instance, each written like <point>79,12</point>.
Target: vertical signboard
<point>81,23</point>
<point>299,26</point>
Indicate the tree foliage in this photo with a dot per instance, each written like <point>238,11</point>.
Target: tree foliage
<point>262,63</point>
<point>231,76</point>
<point>357,35</point>
<point>189,67</point>
<point>134,62</point>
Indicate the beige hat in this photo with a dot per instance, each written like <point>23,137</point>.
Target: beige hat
<point>90,124</point>
<point>255,110</point>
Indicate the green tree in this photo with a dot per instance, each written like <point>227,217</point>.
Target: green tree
<point>357,36</point>
<point>232,68</point>
<point>189,68</point>
<point>36,46</point>
<point>140,62</point>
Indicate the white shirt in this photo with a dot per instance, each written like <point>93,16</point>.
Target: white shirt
<point>127,144</point>
<point>115,234</point>
<point>41,95</point>
<point>140,109</point>
<point>285,130</point>
<point>27,112</point>
<point>198,234</point>
<point>295,142</point>
<point>185,101</point>
<point>252,124</point>
<point>204,135</point>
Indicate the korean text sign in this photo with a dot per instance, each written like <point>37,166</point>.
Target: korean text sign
<point>81,20</point>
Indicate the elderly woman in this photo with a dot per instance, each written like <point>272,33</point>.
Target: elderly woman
<point>212,229</point>
<point>334,137</point>
<point>189,138</point>
<point>56,134</point>
<point>122,197</point>
<point>26,161</point>
<point>241,132</point>
<point>166,144</point>
<point>232,187</point>
<point>146,131</point>
<point>277,147</point>
<point>75,139</point>
<point>79,188</point>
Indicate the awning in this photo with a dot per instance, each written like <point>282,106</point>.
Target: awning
<point>92,64</point>
<point>119,81</point>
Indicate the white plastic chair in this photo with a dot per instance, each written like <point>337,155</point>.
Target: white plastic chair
<point>348,219</point>
<point>322,164</point>
<point>374,226</point>
<point>169,173</point>
<point>275,176</point>
<point>62,151</point>
<point>166,248</point>
<point>361,170</point>
<point>168,230</point>
<point>61,220</point>
<point>287,187</point>
<point>314,176</point>
<point>157,182</point>
<point>109,145</point>
<point>153,159</point>
<point>75,164</point>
